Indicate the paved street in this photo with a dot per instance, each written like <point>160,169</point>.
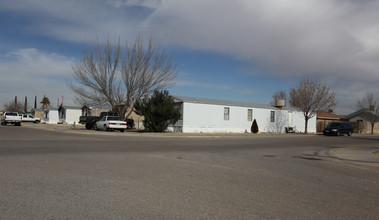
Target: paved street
<point>58,175</point>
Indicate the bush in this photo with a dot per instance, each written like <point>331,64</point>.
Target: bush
<point>158,110</point>
<point>254,127</point>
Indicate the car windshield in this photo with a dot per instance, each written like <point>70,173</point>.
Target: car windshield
<point>113,118</point>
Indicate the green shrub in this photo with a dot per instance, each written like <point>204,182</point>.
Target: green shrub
<point>158,110</point>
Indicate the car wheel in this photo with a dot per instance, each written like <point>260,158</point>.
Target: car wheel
<point>349,134</point>
<point>106,128</point>
<point>122,130</point>
<point>89,126</point>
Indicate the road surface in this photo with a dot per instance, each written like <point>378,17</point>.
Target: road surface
<point>57,175</point>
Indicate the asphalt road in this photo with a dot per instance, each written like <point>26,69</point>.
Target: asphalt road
<point>55,175</point>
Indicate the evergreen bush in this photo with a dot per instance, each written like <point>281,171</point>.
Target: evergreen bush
<point>158,110</point>
<point>254,127</point>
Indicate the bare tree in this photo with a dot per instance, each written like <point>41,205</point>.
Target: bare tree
<point>146,70</point>
<point>369,104</point>
<point>95,76</point>
<point>311,97</point>
<point>14,107</point>
<point>110,74</point>
<point>279,122</point>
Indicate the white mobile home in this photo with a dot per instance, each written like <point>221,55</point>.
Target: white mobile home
<point>50,115</point>
<point>69,114</point>
<point>212,115</point>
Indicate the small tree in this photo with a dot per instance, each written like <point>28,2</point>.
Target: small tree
<point>35,102</point>
<point>158,110</point>
<point>370,106</point>
<point>45,102</point>
<point>254,127</point>
<point>311,97</point>
<point>26,104</point>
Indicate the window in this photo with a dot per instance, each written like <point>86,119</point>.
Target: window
<point>272,116</point>
<point>226,113</point>
<point>250,114</point>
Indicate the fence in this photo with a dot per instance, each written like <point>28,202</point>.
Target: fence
<point>364,127</point>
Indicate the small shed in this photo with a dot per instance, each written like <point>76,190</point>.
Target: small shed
<point>69,114</point>
<point>51,115</point>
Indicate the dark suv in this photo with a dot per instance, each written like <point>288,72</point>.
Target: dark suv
<point>338,128</point>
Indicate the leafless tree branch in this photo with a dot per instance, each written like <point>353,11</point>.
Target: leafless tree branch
<point>110,74</point>
<point>369,104</point>
<point>311,97</point>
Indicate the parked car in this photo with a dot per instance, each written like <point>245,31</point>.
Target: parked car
<point>11,118</point>
<point>90,121</point>
<point>29,118</point>
<point>110,123</point>
<point>338,128</point>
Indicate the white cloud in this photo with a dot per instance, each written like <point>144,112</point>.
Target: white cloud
<point>30,72</point>
<point>332,40</point>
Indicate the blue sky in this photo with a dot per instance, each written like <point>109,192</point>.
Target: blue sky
<point>243,50</point>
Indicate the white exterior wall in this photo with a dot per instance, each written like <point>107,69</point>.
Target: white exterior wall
<point>52,117</point>
<point>209,118</point>
<point>356,118</point>
<point>72,115</point>
<point>299,122</point>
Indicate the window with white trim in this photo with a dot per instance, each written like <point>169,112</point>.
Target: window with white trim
<point>249,114</point>
<point>272,116</point>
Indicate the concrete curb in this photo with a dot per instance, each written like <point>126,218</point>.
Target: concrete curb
<point>353,154</point>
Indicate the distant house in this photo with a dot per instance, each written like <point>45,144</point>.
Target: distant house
<point>94,110</point>
<point>212,115</point>
<point>324,118</point>
<point>360,122</point>
<point>50,115</point>
<point>38,113</point>
<point>69,114</point>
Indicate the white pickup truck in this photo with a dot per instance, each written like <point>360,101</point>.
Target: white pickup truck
<point>29,118</point>
<point>11,118</point>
